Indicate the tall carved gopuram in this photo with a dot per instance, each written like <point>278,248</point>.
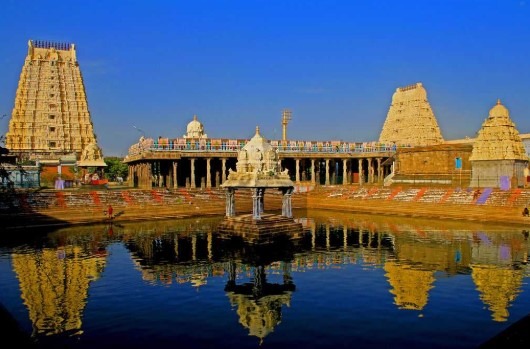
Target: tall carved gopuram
<point>410,119</point>
<point>50,117</point>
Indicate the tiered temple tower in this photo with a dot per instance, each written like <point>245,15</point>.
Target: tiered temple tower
<point>50,117</point>
<point>498,158</point>
<point>410,119</point>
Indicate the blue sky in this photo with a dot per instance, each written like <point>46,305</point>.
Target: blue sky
<point>238,64</point>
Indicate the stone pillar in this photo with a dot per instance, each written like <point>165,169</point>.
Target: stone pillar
<point>327,171</point>
<point>328,236</point>
<point>297,177</point>
<point>194,247</point>
<point>176,244</point>
<point>344,171</point>
<point>144,175</point>
<point>370,170</point>
<point>192,173</point>
<point>287,210</point>
<point>313,179</point>
<point>230,208</point>
<point>130,177</point>
<point>345,237</point>
<point>379,171</point>
<point>209,239</point>
<point>313,236</point>
<point>208,174</point>
<point>262,200</point>
<point>175,185</point>
<point>361,175</point>
<point>223,170</point>
<point>256,203</point>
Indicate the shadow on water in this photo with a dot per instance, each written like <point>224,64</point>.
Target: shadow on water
<point>514,337</point>
<point>12,332</point>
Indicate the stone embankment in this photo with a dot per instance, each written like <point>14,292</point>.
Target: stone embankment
<point>49,208</point>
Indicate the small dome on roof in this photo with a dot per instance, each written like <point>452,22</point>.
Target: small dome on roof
<point>499,111</point>
<point>195,129</point>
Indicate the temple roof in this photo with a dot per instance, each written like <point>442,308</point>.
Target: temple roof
<point>195,129</point>
<point>498,139</point>
<point>91,156</point>
<point>257,166</point>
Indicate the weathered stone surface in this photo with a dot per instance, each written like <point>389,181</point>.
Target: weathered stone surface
<point>410,119</point>
<point>50,116</point>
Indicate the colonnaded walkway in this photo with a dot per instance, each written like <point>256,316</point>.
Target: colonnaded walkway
<point>51,207</point>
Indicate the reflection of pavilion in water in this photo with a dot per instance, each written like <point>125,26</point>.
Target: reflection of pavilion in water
<point>259,303</point>
<point>412,258</point>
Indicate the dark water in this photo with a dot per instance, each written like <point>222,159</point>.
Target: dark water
<point>351,282</point>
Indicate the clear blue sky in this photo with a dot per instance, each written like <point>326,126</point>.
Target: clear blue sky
<point>238,63</point>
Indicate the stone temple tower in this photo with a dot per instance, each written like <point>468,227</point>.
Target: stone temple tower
<point>50,117</point>
<point>498,158</point>
<point>410,119</point>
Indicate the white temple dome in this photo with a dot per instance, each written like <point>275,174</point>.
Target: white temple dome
<point>195,129</point>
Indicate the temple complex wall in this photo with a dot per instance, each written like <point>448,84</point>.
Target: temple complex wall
<point>433,159</point>
<point>498,173</point>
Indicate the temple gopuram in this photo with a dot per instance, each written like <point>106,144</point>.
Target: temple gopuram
<point>51,127</point>
<point>410,119</point>
<point>50,122</point>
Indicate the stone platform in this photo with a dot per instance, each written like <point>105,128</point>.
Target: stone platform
<point>265,230</point>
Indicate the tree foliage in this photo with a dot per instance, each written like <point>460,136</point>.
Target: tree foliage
<point>116,168</point>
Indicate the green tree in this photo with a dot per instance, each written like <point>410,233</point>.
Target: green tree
<point>116,168</point>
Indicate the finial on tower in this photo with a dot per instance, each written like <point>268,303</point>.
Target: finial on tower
<point>257,130</point>
<point>195,117</point>
<point>498,101</point>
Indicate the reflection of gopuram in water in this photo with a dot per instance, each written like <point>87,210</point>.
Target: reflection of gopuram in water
<point>54,284</point>
<point>498,286</point>
<point>54,281</point>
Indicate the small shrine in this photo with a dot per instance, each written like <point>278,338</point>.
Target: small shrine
<point>92,165</point>
<point>258,169</point>
<point>499,158</point>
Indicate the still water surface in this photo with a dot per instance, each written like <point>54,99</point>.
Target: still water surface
<point>353,281</point>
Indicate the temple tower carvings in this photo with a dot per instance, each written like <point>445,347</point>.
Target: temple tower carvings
<point>498,152</point>
<point>50,117</point>
<point>410,119</point>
